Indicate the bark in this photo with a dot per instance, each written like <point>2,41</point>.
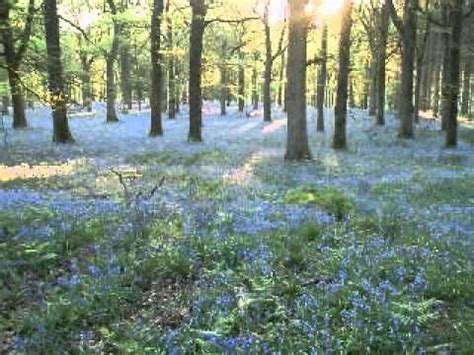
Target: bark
<point>373,87</point>
<point>322,78</point>
<point>437,76</point>
<point>110,62</point>
<point>255,84</point>
<point>241,84</point>
<point>171,66</point>
<point>466,87</point>
<point>381,60</point>
<point>156,70</point>
<point>86,82</point>
<point>61,132</point>
<point>125,70</point>
<point>407,31</point>
<point>13,59</point>
<point>281,85</point>
<point>452,94</point>
<point>223,93</point>
<point>445,70</point>
<point>297,147</point>
<point>267,76</point>
<point>195,68</point>
<point>339,139</point>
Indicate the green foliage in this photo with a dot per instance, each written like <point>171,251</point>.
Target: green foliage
<point>330,199</point>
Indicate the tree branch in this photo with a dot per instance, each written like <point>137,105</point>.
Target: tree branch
<point>26,34</point>
<point>395,18</point>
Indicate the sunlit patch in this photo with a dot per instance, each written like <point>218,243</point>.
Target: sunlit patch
<point>42,171</point>
<point>244,173</point>
<point>274,126</point>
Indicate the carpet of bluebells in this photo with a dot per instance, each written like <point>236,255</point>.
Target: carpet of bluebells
<point>157,245</point>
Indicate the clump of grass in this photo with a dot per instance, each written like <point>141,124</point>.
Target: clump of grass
<point>467,135</point>
<point>330,199</point>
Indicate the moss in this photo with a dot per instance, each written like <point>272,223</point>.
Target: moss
<point>330,199</point>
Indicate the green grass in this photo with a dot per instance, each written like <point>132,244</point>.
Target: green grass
<point>330,199</point>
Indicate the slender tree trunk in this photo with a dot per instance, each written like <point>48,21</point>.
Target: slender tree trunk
<point>466,86</point>
<point>322,78</point>
<point>171,66</point>
<point>61,132</point>
<point>255,84</point>
<point>156,92</point>
<point>195,68</point>
<point>267,77</point>
<point>281,85</point>
<point>437,76</point>
<point>297,147</point>
<point>452,86</point>
<point>445,72</point>
<point>223,93</point>
<point>125,71</point>
<point>86,83</point>
<point>110,62</point>
<point>13,64</point>
<point>241,84</point>
<point>373,86</point>
<point>382,54</point>
<point>408,36</point>
<point>339,139</point>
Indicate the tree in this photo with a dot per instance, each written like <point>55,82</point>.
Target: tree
<point>406,28</point>
<point>297,147</point>
<point>14,57</point>
<point>111,58</point>
<point>339,139</point>
<point>156,72</point>
<point>57,98</point>
<point>451,87</point>
<point>270,58</point>
<point>171,64</point>
<point>198,25</point>
<point>322,78</point>
<point>381,61</point>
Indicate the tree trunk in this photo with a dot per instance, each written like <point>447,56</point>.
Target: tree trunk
<point>373,86</point>
<point>445,71</point>
<point>223,93</point>
<point>86,83</point>
<point>267,76</point>
<point>241,84</point>
<point>255,84</point>
<point>322,77</point>
<point>381,60</point>
<point>297,147</point>
<point>452,79</point>
<point>110,61</point>
<point>437,76</point>
<point>61,132</point>
<point>171,66</point>
<point>156,70</point>
<point>340,111</point>
<point>466,86</point>
<point>195,68</point>
<point>281,85</point>
<point>13,64</point>
<point>125,71</point>
<point>408,37</point>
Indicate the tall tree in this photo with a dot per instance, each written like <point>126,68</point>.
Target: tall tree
<point>322,78</point>
<point>57,97</point>
<point>406,28</point>
<point>297,147</point>
<point>451,92</point>
<point>156,71</point>
<point>111,58</point>
<point>339,139</point>
<point>14,57</point>
<point>171,64</point>
<point>270,58</point>
<point>381,61</point>
<point>198,26</point>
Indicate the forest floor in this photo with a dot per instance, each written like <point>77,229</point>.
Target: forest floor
<point>121,242</point>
